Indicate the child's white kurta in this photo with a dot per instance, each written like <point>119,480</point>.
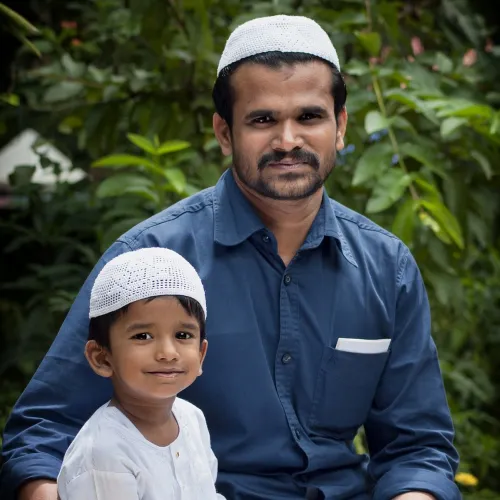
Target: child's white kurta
<point>111,460</point>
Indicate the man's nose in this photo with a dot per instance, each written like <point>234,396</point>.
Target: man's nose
<point>288,137</point>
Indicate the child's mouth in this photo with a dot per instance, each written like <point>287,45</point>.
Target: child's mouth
<point>167,374</point>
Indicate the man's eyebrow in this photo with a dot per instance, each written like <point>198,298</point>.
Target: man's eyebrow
<point>258,113</point>
<point>314,110</point>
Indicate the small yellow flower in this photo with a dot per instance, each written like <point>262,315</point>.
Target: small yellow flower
<point>466,479</point>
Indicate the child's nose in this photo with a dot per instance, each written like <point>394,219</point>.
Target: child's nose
<point>166,350</point>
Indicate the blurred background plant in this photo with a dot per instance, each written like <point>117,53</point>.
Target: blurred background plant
<point>122,89</point>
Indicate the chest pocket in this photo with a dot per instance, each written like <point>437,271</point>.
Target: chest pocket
<point>344,391</point>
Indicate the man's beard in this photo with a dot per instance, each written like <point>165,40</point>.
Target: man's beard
<point>295,188</point>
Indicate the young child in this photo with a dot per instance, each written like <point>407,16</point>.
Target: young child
<point>147,334</point>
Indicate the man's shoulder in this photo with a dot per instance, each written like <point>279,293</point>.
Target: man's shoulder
<point>367,240</point>
<point>184,217</point>
<point>351,220</point>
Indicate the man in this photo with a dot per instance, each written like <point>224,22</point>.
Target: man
<point>318,320</point>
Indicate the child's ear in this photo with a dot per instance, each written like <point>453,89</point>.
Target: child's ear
<point>203,353</point>
<point>98,358</point>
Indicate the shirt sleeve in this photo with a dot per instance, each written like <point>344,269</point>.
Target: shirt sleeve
<point>61,396</point>
<point>100,485</point>
<point>409,429</point>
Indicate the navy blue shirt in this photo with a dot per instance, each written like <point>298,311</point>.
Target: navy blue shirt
<point>283,405</point>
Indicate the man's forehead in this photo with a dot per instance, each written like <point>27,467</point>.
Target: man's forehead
<point>255,81</point>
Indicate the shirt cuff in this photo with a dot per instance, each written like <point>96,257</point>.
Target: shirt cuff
<point>399,481</point>
<point>30,467</point>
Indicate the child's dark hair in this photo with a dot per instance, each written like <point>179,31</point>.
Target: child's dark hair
<point>99,327</point>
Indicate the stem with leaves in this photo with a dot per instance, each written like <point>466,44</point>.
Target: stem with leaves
<point>383,110</point>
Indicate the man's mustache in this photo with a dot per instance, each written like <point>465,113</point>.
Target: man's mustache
<point>297,155</point>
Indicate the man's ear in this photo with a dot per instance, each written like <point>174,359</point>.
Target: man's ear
<point>203,353</point>
<point>341,129</point>
<point>99,359</point>
<point>222,134</point>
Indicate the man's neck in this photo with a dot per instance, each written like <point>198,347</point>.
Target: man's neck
<point>289,221</point>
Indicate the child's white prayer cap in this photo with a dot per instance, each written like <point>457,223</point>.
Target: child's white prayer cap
<point>144,273</point>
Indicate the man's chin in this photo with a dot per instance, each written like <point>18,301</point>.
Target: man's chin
<point>290,190</point>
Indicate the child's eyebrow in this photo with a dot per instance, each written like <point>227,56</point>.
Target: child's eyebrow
<point>189,326</point>
<point>137,326</point>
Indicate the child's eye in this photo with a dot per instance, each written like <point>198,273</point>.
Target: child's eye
<point>183,335</point>
<point>142,336</point>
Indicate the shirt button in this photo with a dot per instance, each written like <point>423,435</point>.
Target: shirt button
<point>297,434</point>
<point>286,358</point>
<point>265,238</point>
<point>287,279</point>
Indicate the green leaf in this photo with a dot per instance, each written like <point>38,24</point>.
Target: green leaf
<point>495,124</point>
<point>444,63</point>
<point>370,41</point>
<point>440,255</point>
<point>356,68</point>
<point>389,189</point>
<point>431,223</point>
<point>404,222</point>
<point>177,179</point>
<point>401,123</point>
<point>445,219</point>
<point>483,162</point>
<point>172,147</point>
<point>450,125</point>
<point>419,153</point>
<point>466,109</point>
<point>120,184</point>
<point>63,91</point>
<point>73,68</point>
<point>19,20</point>
<point>375,121</point>
<point>142,143</point>
<point>432,192</point>
<point>373,162</point>
<point>119,161</point>
<point>413,102</point>
<point>12,99</point>
<point>70,124</point>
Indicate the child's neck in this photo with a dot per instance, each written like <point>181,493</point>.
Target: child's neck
<point>156,423</point>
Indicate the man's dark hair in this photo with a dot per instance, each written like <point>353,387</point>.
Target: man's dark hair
<point>223,92</point>
<point>100,327</point>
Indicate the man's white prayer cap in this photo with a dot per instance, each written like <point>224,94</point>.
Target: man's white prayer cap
<point>141,274</point>
<point>278,33</point>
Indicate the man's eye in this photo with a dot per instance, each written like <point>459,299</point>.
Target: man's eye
<point>183,335</point>
<point>262,119</point>
<point>309,116</point>
<point>142,336</point>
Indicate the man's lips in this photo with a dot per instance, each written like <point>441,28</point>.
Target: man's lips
<point>287,164</point>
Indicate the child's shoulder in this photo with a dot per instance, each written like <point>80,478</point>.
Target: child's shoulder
<point>99,446</point>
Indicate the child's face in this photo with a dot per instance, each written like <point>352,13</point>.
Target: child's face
<point>155,350</point>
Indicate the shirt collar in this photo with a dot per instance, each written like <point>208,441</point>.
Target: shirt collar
<point>236,220</point>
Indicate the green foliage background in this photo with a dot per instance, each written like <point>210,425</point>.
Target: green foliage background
<point>123,89</point>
